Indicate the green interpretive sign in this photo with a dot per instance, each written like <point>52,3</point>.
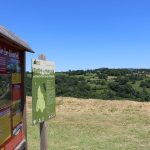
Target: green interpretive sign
<point>43,91</point>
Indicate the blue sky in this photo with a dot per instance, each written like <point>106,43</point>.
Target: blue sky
<point>83,34</point>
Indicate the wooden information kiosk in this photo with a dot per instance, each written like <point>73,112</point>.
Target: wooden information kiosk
<point>12,91</point>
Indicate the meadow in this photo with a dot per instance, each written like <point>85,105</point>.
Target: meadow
<point>95,125</point>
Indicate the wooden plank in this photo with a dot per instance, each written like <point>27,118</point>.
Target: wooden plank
<point>24,100</point>
<point>10,36</point>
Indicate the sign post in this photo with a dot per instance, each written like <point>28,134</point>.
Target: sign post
<point>43,127</point>
<point>43,136</point>
<point>43,95</point>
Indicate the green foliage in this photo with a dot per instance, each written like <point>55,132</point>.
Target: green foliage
<point>145,84</point>
<point>101,83</point>
<point>72,86</point>
<point>102,76</point>
<point>123,90</point>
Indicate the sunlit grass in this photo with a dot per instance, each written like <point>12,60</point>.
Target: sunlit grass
<point>95,125</point>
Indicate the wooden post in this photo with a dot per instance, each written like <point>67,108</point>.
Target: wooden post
<point>24,101</point>
<point>43,136</point>
<point>43,126</point>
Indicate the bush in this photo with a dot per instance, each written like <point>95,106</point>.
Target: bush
<point>145,84</point>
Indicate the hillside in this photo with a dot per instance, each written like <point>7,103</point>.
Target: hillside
<point>103,83</point>
<point>95,125</point>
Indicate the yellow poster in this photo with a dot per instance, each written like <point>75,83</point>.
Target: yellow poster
<point>17,119</point>
<point>5,126</point>
<point>16,78</point>
<point>16,112</point>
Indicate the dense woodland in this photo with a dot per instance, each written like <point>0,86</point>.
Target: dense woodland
<point>103,83</point>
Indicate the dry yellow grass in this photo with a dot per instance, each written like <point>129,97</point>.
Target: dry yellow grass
<point>93,105</point>
<point>95,125</point>
<point>68,104</point>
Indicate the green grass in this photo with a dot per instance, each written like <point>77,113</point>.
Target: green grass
<point>137,86</point>
<point>108,129</point>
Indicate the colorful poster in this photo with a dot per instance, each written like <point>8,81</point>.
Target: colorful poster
<point>16,78</point>
<point>16,113</point>
<point>5,125</point>
<point>16,92</point>
<point>14,141</point>
<point>9,61</point>
<point>5,94</point>
<point>17,129</point>
<point>13,65</point>
<point>43,91</point>
<point>3,62</point>
<point>11,105</point>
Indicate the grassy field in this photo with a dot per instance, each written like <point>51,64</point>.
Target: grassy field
<point>95,125</point>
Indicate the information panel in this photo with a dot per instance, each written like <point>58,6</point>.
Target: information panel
<point>43,91</point>
<point>5,125</point>
<point>11,128</point>
<point>5,94</point>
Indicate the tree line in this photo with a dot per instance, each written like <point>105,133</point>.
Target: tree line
<point>102,83</point>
